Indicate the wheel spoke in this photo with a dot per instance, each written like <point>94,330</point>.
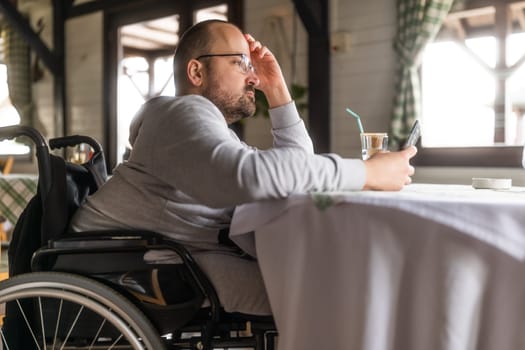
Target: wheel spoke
<point>57,323</point>
<point>42,323</point>
<point>3,339</point>
<point>98,333</point>
<point>27,323</point>
<point>115,342</point>
<point>72,326</point>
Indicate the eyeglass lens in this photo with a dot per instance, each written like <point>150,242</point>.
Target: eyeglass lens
<point>245,64</point>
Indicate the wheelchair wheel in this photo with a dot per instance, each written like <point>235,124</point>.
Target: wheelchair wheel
<point>51,310</point>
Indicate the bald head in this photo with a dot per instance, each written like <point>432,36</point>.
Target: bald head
<point>200,39</point>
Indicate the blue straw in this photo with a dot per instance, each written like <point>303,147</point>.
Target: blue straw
<point>357,117</point>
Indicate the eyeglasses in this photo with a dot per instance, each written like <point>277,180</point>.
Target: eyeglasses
<point>244,62</point>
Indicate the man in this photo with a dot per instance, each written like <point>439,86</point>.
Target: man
<point>187,170</point>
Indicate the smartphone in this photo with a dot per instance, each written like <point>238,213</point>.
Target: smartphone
<point>415,133</point>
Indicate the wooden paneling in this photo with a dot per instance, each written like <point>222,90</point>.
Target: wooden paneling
<point>84,67</point>
<point>363,78</point>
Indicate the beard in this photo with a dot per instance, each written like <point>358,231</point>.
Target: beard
<point>234,107</point>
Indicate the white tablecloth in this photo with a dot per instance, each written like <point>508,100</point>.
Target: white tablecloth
<point>430,267</point>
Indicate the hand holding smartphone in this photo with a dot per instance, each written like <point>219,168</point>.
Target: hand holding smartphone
<point>415,133</point>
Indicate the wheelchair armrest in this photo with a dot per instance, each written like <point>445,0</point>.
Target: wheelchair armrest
<point>97,243</point>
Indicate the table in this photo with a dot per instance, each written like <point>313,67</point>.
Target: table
<point>430,267</point>
<point>15,192</point>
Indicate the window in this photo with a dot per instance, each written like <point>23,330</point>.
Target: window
<point>473,82</point>
<point>9,117</point>
<point>146,69</point>
<point>141,80</point>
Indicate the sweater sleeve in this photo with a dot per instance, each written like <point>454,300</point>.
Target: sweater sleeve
<point>190,147</point>
<point>288,128</point>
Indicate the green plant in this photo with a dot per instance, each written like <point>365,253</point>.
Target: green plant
<point>298,92</point>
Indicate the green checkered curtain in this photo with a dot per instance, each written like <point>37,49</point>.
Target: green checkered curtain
<point>17,60</point>
<point>418,22</point>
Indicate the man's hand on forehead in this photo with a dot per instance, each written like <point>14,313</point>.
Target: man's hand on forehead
<point>256,48</point>
<point>271,79</point>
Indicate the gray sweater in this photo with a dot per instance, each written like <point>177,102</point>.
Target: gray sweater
<point>187,171</point>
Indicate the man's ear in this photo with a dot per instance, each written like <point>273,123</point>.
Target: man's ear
<point>195,72</point>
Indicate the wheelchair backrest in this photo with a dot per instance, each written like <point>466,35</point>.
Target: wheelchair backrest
<point>62,187</point>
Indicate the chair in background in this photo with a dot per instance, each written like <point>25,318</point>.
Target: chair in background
<point>6,165</point>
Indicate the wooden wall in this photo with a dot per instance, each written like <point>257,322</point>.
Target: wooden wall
<point>84,67</point>
<point>362,76</point>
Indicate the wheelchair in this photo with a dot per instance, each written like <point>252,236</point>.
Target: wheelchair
<point>93,290</point>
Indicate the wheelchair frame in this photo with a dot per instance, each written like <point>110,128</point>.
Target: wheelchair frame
<point>82,270</point>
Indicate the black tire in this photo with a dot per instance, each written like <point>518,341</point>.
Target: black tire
<point>70,311</point>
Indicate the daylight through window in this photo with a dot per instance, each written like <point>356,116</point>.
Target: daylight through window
<point>8,116</point>
<point>463,84</point>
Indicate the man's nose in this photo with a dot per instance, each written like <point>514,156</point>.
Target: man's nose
<point>252,79</point>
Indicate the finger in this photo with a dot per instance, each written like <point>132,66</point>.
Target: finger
<point>255,45</point>
<point>252,43</point>
<point>411,170</point>
<point>250,39</point>
<point>409,152</point>
<point>408,181</point>
<point>263,51</point>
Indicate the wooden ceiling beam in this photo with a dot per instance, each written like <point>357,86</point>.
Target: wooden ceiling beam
<point>103,5</point>
<point>156,40</point>
<point>312,13</point>
<point>480,11</point>
<point>22,26</point>
<point>472,4</point>
<point>151,54</point>
<point>456,25</point>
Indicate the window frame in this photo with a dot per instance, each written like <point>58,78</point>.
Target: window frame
<point>484,156</point>
<point>492,156</point>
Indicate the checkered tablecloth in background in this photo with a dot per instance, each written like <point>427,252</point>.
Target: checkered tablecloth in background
<point>15,193</point>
